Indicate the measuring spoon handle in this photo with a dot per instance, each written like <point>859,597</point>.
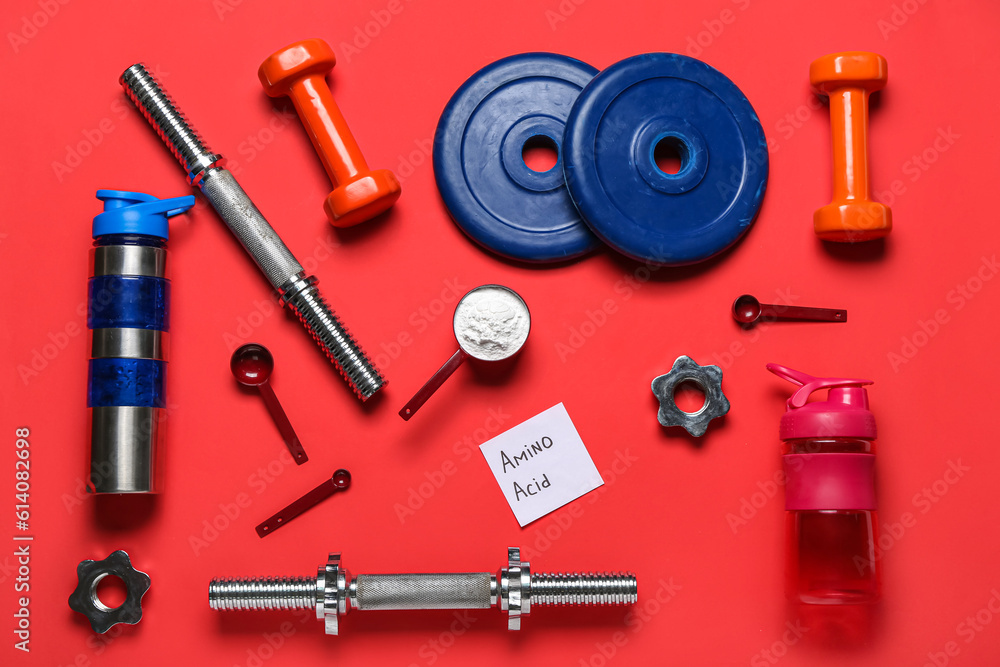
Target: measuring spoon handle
<point>802,313</point>
<point>433,384</point>
<point>311,499</point>
<point>295,447</point>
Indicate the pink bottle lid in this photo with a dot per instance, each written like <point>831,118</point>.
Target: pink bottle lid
<point>844,413</point>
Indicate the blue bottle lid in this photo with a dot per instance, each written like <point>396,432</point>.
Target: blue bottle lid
<point>137,213</point>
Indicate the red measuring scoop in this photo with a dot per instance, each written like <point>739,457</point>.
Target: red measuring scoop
<point>491,324</point>
<point>252,365</point>
<point>747,310</point>
<point>339,481</point>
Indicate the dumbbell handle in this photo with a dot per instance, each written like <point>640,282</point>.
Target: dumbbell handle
<point>459,590</point>
<point>513,590</point>
<point>440,590</point>
<point>245,221</point>
<point>327,128</point>
<point>849,123</point>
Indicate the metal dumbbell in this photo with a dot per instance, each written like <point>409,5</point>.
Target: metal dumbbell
<point>515,589</point>
<point>298,290</point>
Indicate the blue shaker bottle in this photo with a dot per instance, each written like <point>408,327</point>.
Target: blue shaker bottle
<point>129,317</point>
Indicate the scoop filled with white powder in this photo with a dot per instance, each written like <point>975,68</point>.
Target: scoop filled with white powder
<point>491,324</point>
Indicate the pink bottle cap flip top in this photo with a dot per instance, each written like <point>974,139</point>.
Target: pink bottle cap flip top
<point>843,414</point>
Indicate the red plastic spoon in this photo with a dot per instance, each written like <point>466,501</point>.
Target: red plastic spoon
<point>747,310</point>
<point>251,365</point>
<point>340,481</point>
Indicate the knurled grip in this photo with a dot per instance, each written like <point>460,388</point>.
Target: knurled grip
<point>460,590</point>
<point>243,218</point>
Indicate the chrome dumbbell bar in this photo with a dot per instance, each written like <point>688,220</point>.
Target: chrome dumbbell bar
<point>298,290</point>
<point>333,592</point>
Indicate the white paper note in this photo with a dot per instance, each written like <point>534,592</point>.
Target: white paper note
<point>541,464</point>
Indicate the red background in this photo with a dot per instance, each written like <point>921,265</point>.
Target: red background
<point>668,515</point>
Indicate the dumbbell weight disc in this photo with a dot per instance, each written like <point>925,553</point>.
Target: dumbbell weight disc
<point>490,192</point>
<point>612,135</point>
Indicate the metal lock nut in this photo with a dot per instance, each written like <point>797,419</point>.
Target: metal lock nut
<point>85,601</point>
<point>708,378</point>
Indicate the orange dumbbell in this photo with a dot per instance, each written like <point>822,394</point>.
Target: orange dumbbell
<point>299,71</point>
<point>849,78</point>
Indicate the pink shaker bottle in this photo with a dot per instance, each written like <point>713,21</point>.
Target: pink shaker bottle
<point>829,465</point>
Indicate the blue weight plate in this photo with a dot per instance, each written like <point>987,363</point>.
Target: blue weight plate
<point>611,139</point>
<point>490,192</point>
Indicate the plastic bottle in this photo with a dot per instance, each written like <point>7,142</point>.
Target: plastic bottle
<point>829,466</point>
<point>129,315</point>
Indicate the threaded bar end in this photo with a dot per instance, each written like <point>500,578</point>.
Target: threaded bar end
<point>337,342</point>
<point>168,121</point>
<point>263,593</point>
<point>601,588</point>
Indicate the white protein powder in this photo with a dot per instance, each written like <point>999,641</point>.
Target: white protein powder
<point>491,323</point>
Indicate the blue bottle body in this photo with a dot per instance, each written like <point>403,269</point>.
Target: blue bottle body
<point>120,301</point>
